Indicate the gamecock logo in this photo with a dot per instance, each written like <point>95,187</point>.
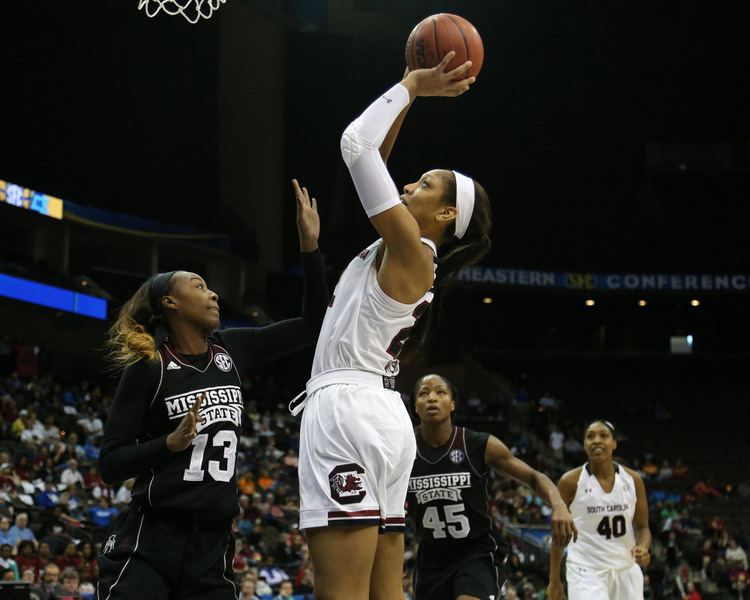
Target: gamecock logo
<point>346,484</point>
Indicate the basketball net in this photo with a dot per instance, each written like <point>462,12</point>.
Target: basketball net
<point>192,10</point>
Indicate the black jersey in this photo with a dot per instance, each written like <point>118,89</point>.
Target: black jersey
<point>448,499</point>
<point>153,396</point>
<point>210,460</point>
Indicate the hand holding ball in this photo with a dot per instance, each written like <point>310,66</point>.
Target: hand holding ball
<point>436,36</point>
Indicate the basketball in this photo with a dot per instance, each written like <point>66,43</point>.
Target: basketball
<point>437,35</point>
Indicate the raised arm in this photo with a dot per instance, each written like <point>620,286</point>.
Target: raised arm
<point>372,134</point>
<point>257,345</point>
<point>315,297</point>
<point>308,219</point>
<point>390,138</point>
<point>502,460</point>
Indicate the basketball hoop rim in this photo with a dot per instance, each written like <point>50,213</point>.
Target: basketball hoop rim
<point>202,9</point>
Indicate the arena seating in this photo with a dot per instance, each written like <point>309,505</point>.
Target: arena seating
<point>47,425</point>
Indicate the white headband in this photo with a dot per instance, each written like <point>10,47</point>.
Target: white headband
<point>464,203</point>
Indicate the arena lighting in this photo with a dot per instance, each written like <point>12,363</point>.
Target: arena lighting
<point>681,344</point>
<point>590,302</point>
<point>642,303</point>
<point>695,302</point>
<point>52,297</point>
<point>487,300</point>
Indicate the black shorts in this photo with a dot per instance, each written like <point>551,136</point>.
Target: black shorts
<point>152,557</point>
<point>476,576</point>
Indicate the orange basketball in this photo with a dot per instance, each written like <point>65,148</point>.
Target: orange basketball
<point>437,35</point>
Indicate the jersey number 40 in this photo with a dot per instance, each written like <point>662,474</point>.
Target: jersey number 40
<point>456,523</point>
<point>613,528</point>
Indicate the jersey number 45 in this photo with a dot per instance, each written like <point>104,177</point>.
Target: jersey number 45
<point>456,523</point>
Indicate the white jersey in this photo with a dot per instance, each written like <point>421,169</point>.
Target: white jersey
<point>604,522</point>
<point>364,328</point>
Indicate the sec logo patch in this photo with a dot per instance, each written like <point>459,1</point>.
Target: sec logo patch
<point>223,361</point>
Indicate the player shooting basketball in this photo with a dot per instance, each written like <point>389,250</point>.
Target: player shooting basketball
<point>355,427</point>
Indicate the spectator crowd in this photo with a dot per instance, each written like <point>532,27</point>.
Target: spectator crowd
<point>55,508</point>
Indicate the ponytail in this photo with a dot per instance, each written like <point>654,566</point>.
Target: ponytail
<point>453,256</point>
<point>140,328</point>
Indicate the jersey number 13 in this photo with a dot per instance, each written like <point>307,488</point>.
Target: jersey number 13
<point>226,438</point>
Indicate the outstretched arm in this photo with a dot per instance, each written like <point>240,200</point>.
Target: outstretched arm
<point>257,345</point>
<point>316,296</point>
<point>308,219</point>
<point>502,460</point>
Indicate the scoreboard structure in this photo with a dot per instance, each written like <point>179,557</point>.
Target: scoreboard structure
<point>27,199</point>
<point>34,292</point>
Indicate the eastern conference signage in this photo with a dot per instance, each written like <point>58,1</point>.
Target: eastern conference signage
<point>659,282</point>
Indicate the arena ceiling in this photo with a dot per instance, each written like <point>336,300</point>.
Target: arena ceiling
<point>610,137</point>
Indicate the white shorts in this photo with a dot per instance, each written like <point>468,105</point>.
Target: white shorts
<point>357,449</point>
<point>608,584</point>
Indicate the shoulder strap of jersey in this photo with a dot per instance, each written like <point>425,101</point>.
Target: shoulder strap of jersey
<point>459,441</point>
<point>624,476</point>
<point>585,472</point>
<point>431,245</point>
<point>156,370</point>
<point>578,490</point>
<point>475,445</point>
<point>424,452</point>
